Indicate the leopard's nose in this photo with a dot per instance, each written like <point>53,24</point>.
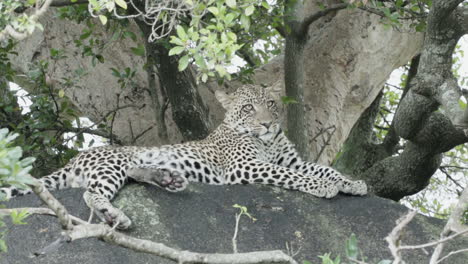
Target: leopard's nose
<point>266,124</point>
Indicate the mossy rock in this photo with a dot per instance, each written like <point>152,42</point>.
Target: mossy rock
<point>202,219</point>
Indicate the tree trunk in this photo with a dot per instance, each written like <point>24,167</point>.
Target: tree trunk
<point>294,77</point>
<point>337,80</point>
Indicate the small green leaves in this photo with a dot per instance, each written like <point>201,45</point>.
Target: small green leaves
<point>183,62</point>
<point>181,33</point>
<point>176,50</point>
<point>61,93</point>
<point>231,3</point>
<point>326,259</point>
<point>18,217</point>
<point>139,51</point>
<point>288,100</point>
<point>243,211</point>
<point>249,10</point>
<point>385,261</point>
<point>103,19</point>
<point>213,10</point>
<point>121,3</point>
<point>352,250</point>
<point>3,246</point>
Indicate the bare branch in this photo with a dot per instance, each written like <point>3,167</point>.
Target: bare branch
<point>394,237</point>
<point>452,253</point>
<point>110,235</point>
<point>435,243</point>
<point>39,210</point>
<point>236,229</point>
<point>54,204</point>
<point>106,233</point>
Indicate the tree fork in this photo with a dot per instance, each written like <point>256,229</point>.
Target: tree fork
<point>429,133</point>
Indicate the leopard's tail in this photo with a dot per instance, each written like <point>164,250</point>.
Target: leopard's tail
<point>60,179</point>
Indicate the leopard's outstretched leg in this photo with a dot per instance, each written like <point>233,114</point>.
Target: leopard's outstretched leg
<point>169,180</point>
<point>288,157</point>
<point>256,171</point>
<point>100,190</point>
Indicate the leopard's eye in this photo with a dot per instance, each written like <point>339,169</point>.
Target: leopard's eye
<point>271,103</point>
<point>247,108</point>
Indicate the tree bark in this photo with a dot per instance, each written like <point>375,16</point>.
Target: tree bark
<point>188,109</point>
<point>429,132</point>
<point>294,77</point>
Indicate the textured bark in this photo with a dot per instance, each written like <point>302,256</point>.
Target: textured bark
<point>360,151</point>
<point>294,76</point>
<point>429,132</point>
<point>188,110</point>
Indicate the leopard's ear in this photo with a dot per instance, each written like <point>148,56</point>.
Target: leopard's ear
<point>225,99</point>
<point>276,90</point>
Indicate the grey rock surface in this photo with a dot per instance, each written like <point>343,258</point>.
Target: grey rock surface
<point>201,219</point>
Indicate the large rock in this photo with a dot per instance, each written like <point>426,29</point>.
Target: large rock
<point>202,219</point>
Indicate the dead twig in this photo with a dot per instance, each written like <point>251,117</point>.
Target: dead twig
<point>109,234</point>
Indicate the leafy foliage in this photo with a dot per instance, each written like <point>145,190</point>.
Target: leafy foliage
<point>41,128</point>
<point>20,22</point>
<point>14,171</point>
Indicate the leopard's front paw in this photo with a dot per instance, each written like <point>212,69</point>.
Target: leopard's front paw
<point>324,190</point>
<point>114,216</point>
<point>353,187</point>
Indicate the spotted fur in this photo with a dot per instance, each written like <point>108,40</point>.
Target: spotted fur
<point>248,147</point>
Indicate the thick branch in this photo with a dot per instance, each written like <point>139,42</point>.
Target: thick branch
<point>462,13</point>
<point>303,28</point>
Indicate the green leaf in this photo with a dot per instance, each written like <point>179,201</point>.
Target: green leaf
<point>204,77</point>
<point>385,261</point>
<point>183,63</point>
<point>213,10</point>
<point>139,51</point>
<point>121,3</point>
<point>3,246</point>
<point>61,93</point>
<point>86,34</point>
<point>176,50</point>
<point>103,19</point>
<point>18,217</point>
<point>181,33</point>
<point>352,250</point>
<point>231,3</point>
<point>245,22</point>
<point>249,10</point>
<point>100,58</point>
<point>130,35</point>
<point>177,41</point>
<point>288,100</point>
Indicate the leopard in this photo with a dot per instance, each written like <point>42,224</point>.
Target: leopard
<point>248,147</point>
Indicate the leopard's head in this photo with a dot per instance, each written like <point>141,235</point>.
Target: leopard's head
<point>252,110</point>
